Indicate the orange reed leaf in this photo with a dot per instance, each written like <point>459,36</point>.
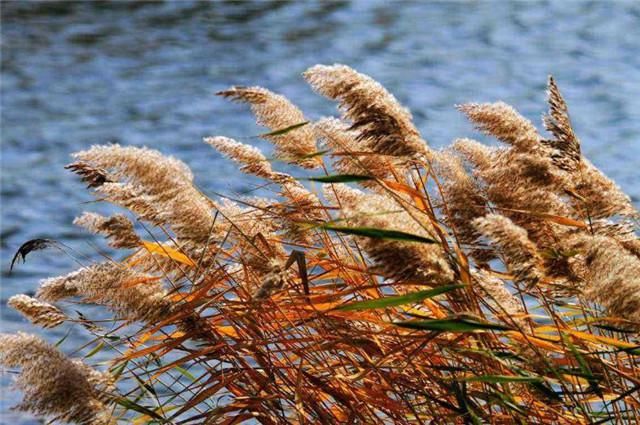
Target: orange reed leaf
<point>167,251</point>
<point>163,346</point>
<point>418,197</point>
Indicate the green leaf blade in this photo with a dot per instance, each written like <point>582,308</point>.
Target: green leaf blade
<point>340,178</point>
<point>454,325</point>
<point>372,232</point>
<point>131,405</point>
<point>95,350</point>
<point>399,300</point>
<point>285,130</point>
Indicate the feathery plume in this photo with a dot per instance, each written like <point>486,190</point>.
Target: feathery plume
<point>506,302</point>
<point>129,294</point>
<point>301,208</point>
<point>504,123</point>
<point>521,255</point>
<point>381,122</point>
<point>613,277</point>
<point>250,159</point>
<point>304,200</point>
<point>340,193</point>
<point>53,385</point>
<point>600,196</point>
<point>117,228</point>
<point>418,263</point>
<point>463,200</point>
<point>478,155</point>
<point>566,145</point>
<point>131,162</point>
<point>158,188</point>
<point>38,312</point>
<point>94,177</point>
<point>623,232</point>
<point>527,170</point>
<point>103,381</point>
<point>519,181</point>
<point>304,205</point>
<point>353,158</point>
<point>129,196</point>
<point>277,113</point>
<point>58,288</point>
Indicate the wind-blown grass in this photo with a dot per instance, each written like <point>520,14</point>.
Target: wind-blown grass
<point>474,284</point>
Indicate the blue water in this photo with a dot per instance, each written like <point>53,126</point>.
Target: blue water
<point>75,74</point>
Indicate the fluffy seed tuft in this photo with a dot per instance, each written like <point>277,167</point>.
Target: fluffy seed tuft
<point>38,312</point>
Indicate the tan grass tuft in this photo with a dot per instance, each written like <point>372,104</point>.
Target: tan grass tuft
<point>381,122</point>
<point>250,159</point>
<point>127,293</point>
<point>277,113</point>
<point>160,189</point>
<point>498,294</point>
<point>513,243</point>
<point>613,277</point>
<point>600,196</point>
<point>419,263</point>
<point>566,145</point>
<point>351,157</point>
<point>52,384</point>
<point>117,228</point>
<point>38,312</point>
<point>504,123</point>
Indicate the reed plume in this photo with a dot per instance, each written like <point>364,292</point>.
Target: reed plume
<point>613,277</point>
<point>277,113</point>
<point>499,295</point>
<point>117,228</point>
<point>420,263</point>
<point>38,312</point>
<point>383,125</point>
<point>520,253</point>
<point>599,197</point>
<point>565,144</point>
<point>504,123</point>
<point>464,199</point>
<point>53,385</point>
<point>250,159</point>
<point>351,156</point>
<point>157,188</point>
<point>92,176</point>
<point>475,153</point>
<point>127,293</point>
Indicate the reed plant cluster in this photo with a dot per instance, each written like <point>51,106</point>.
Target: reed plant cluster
<point>396,283</point>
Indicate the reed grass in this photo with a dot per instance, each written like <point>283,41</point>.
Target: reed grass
<point>472,284</point>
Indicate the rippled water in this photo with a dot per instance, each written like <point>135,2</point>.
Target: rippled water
<point>76,74</point>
